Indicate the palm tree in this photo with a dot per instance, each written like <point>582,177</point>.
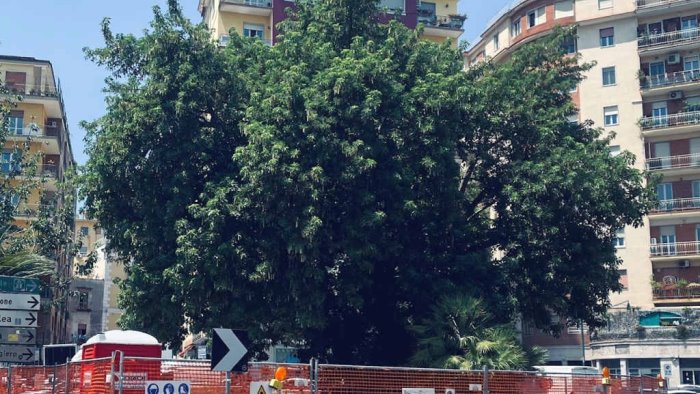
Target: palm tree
<point>461,334</point>
<point>26,264</point>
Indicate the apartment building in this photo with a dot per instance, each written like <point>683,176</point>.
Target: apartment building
<point>40,119</point>
<point>645,87</point>
<point>259,18</point>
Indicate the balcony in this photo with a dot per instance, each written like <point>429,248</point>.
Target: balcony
<point>673,249</point>
<point>28,211</point>
<point>677,205</point>
<point>42,170</point>
<point>678,294</point>
<point>680,122</point>
<point>247,7</point>
<point>671,163</point>
<point>651,6</point>
<point>26,89</point>
<point>659,83</point>
<point>49,138</point>
<point>441,25</point>
<point>669,39</point>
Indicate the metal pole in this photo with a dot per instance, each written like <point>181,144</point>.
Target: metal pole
<point>485,386</point>
<point>228,382</point>
<point>583,344</point>
<point>9,379</point>
<point>314,375</point>
<point>67,377</point>
<point>121,372</point>
<point>53,380</point>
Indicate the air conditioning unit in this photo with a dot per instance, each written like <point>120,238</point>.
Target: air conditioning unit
<point>676,94</point>
<point>673,58</point>
<point>684,263</point>
<point>52,123</point>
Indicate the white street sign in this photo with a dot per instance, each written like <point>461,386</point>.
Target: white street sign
<point>260,388</point>
<point>18,319</point>
<point>167,387</point>
<point>18,354</point>
<point>20,301</point>
<point>227,350</point>
<point>417,391</point>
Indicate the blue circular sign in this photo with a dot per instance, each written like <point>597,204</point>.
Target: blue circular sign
<point>169,389</point>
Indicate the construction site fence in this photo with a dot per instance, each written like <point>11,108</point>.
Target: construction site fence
<point>129,375</point>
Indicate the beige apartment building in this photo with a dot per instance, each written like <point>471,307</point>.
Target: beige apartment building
<point>259,18</point>
<point>645,87</point>
<point>39,119</point>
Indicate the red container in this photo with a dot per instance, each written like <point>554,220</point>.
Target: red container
<point>94,375</point>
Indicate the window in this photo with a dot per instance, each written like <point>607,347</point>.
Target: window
<point>563,9</point>
<point>607,37</point>
<point>392,5</point>
<point>570,45</point>
<point>9,161</point>
<point>15,122</point>
<point>610,116</point>
<point>623,279</point>
<point>614,150</point>
<point>536,17</point>
<point>602,4</point>
<point>83,250</point>
<point>573,118</point>
<point>515,28</point>
<point>691,63</point>
<point>619,241</point>
<point>608,76</point>
<point>692,104</point>
<point>496,44</point>
<point>82,329</point>
<point>255,31</point>
<point>574,327</point>
<point>84,231</point>
<point>83,298</point>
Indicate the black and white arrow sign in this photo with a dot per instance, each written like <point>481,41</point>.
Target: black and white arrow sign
<point>20,301</point>
<point>18,319</point>
<point>228,353</point>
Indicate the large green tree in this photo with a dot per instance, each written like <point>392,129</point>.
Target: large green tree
<point>326,191</point>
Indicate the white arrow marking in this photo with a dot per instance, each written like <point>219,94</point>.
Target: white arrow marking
<point>236,350</point>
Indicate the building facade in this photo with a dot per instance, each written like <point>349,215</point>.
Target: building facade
<point>40,120</point>
<point>645,87</point>
<point>259,18</point>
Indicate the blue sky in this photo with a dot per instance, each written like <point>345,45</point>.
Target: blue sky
<point>57,30</point>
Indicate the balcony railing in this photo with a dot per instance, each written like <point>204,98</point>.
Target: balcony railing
<point>28,210</point>
<point>28,89</point>
<point>48,170</point>
<point>31,131</point>
<point>644,4</point>
<point>430,19</point>
<point>677,205</point>
<point>677,78</point>
<point>673,162</point>
<point>679,119</point>
<point>670,294</point>
<point>253,3</point>
<point>675,249</point>
<point>224,40</point>
<point>671,37</point>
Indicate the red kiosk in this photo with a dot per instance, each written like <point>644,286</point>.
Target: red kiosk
<point>135,346</point>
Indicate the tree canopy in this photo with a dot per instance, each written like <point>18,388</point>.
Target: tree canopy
<point>326,191</point>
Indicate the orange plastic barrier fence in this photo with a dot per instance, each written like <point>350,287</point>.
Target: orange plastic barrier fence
<point>102,376</point>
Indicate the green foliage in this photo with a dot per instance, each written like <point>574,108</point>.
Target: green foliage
<point>327,190</point>
<point>461,334</point>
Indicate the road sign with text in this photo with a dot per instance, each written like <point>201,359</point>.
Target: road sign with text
<point>17,354</point>
<point>13,284</point>
<point>14,336</point>
<point>20,301</point>
<point>18,319</point>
